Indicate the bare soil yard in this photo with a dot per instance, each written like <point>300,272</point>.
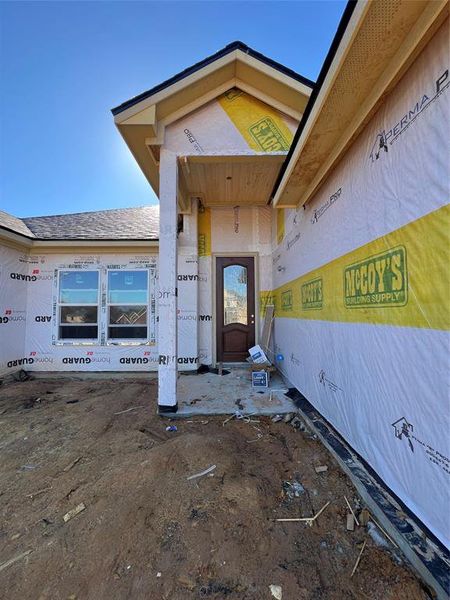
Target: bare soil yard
<point>147,532</point>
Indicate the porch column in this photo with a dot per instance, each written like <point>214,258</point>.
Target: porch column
<point>167,299</point>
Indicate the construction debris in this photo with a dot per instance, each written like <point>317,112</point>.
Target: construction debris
<point>205,472</point>
<point>293,489</point>
<point>72,464</point>
<point>350,522</point>
<point>321,469</point>
<point>364,517</point>
<point>351,510</point>
<point>11,561</point>
<point>276,591</point>
<point>358,559</point>
<point>74,512</point>
<point>121,412</point>
<point>308,520</point>
<point>39,492</point>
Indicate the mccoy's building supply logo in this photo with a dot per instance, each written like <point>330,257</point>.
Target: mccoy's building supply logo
<point>286,300</point>
<point>378,281</point>
<point>387,137</point>
<point>267,135</point>
<point>312,294</point>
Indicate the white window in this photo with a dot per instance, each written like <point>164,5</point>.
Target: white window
<point>127,300</point>
<point>78,300</point>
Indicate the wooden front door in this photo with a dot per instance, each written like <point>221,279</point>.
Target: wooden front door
<point>235,310</point>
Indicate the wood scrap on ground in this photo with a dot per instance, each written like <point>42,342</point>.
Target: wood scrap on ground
<point>358,559</point>
<point>128,410</point>
<point>351,510</point>
<point>11,561</point>
<point>72,464</point>
<point>202,473</point>
<point>74,512</point>
<point>308,520</point>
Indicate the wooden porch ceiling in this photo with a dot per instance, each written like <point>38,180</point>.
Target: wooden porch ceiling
<point>229,180</point>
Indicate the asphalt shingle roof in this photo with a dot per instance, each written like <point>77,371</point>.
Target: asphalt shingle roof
<point>140,223</point>
<point>14,224</point>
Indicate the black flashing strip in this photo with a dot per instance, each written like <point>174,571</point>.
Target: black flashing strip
<point>207,61</point>
<point>434,561</point>
<point>346,16</point>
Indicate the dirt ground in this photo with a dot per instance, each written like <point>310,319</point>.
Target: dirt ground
<point>147,532</point>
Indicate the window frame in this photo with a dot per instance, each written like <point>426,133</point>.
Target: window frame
<point>60,304</point>
<point>147,304</point>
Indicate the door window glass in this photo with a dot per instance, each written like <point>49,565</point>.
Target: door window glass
<point>235,295</point>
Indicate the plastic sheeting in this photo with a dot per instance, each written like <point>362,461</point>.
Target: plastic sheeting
<point>361,292</point>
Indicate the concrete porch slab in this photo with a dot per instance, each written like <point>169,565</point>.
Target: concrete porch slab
<point>211,394</point>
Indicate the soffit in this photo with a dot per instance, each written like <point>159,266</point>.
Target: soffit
<point>380,43</point>
<point>229,180</point>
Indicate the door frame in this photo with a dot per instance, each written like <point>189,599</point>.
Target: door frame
<point>214,256</point>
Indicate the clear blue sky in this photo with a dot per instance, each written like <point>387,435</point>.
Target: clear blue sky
<point>64,65</point>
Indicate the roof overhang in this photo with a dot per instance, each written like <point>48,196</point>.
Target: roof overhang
<point>379,41</point>
<point>23,242</point>
<point>142,121</point>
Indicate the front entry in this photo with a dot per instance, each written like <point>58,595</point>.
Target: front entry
<point>235,310</point>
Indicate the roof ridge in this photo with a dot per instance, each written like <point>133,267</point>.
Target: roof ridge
<point>231,47</point>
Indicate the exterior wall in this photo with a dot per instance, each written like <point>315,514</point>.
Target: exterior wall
<point>28,298</point>
<point>234,232</point>
<point>361,284</point>
<point>227,124</point>
<point>14,282</point>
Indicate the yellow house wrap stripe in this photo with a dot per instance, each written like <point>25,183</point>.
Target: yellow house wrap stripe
<point>280,225</point>
<point>204,232</point>
<point>260,125</point>
<point>402,279</point>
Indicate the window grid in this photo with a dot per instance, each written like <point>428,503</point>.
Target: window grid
<point>61,305</point>
<point>145,306</point>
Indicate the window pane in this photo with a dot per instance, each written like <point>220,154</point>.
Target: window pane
<point>129,287</point>
<point>78,314</point>
<point>78,287</point>
<point>81,332</point>
<point>235,295</point>
<point>128,315</point>
<point>127,333</point>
